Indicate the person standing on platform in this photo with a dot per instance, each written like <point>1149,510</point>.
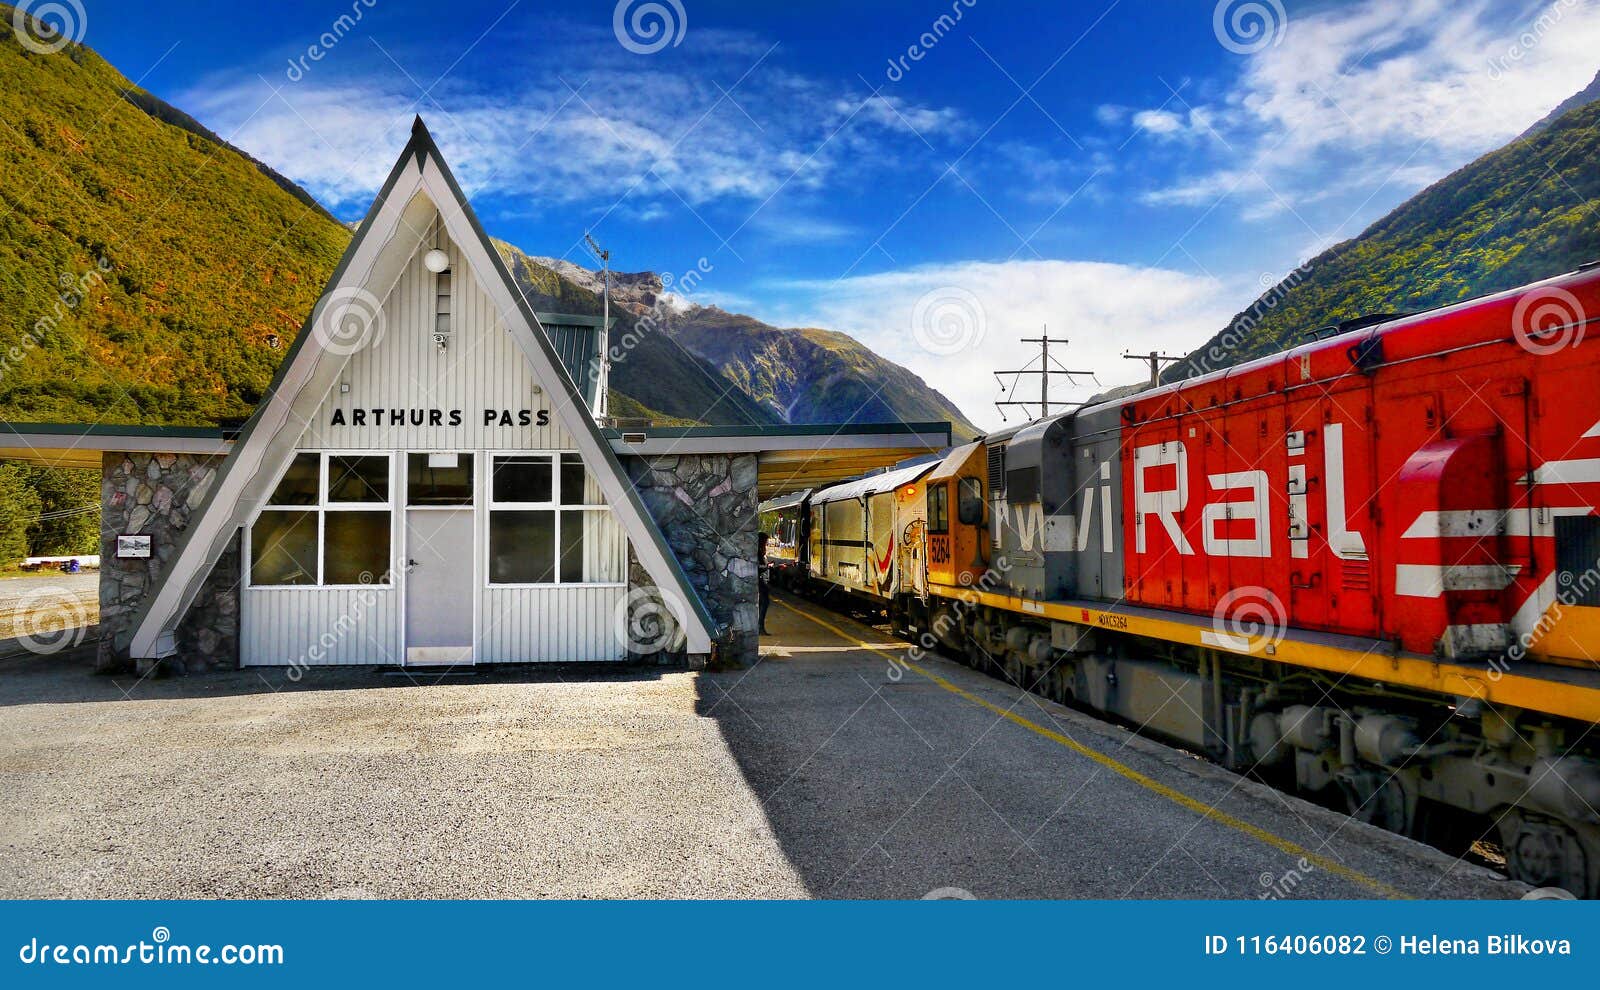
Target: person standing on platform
<point>763,582</point>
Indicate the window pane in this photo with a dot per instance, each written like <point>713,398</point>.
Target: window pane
<point>283,548</point>
<point>937,507</point>
<point>301,484</point>
<point>522,547</point>
<point>572,544</point>
<point>575,488</point>
<point>438,485</point>
<point>594,548</point>
<point>358,479</point>
<point>523,479</point>
<point>355,544</point>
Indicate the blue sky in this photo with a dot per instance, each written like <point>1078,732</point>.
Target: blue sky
<point>1129,173</point>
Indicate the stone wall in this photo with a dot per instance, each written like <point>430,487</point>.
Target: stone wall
<point>706,507</point>
<point>158,494</point>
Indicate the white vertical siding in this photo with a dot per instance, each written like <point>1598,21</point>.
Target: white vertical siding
<point>320,627</point>
<point>555,625</point>
<point>482,368</point>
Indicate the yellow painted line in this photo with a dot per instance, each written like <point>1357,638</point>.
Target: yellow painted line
<point>1121,769</point>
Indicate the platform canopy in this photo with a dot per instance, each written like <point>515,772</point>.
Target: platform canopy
<point>794,457</point>
<point>82,445</point>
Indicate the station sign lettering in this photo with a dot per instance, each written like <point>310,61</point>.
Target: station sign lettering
<point>384,417</point>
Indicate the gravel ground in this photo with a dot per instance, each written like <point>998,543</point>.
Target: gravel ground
<point>815,773</point>
<point>357,785</point>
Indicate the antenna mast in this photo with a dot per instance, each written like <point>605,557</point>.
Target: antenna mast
<point>1043,371</point>
<point>602,392</point>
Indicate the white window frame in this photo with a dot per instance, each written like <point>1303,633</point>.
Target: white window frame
<point>403,474</point>
<point>322,507</point>
<point>491,461</point>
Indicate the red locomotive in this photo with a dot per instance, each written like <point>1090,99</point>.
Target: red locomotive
<point>1367,569</point>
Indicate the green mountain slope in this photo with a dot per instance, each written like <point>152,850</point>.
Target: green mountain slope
<point>145,270</point>
<point>1516,215</point>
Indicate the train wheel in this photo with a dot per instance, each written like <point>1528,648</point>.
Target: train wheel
<point>977,657</point>
<point>1546,853</point>
<point>1377,800</point>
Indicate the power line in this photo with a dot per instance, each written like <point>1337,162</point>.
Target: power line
<point>1045,362</point>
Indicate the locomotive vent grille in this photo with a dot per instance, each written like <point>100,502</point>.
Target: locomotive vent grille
<point>997,471</point>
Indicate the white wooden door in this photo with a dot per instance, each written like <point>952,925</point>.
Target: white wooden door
<point>439,580</point>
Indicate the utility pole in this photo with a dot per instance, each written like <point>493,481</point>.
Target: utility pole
<point>1046,364</point>
<point>1155,359</point>
<point>602,392</point>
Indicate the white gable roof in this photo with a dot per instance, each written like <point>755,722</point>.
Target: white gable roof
<point>419,189</point>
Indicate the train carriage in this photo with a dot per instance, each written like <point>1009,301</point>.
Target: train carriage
<point>783,519</point>
<point>866,536</point>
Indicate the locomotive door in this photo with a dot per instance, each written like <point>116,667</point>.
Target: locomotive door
<point>1155,488</point>
<point>1255,521</point>
<point>1202,437</point>
<point>1097,476</point>
<point>1333,537</point>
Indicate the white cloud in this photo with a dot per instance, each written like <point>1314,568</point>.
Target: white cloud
<point>1102,308</point>
<point>1161,123</point>
<point>788,226</point>
<point>1110,114</point>
<point>1357,96</point>
<point>596,129</point>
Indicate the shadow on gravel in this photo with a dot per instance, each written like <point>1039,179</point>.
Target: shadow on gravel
<point>851,766</point>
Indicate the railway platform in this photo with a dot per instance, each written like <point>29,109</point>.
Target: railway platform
<point>888,779</point>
